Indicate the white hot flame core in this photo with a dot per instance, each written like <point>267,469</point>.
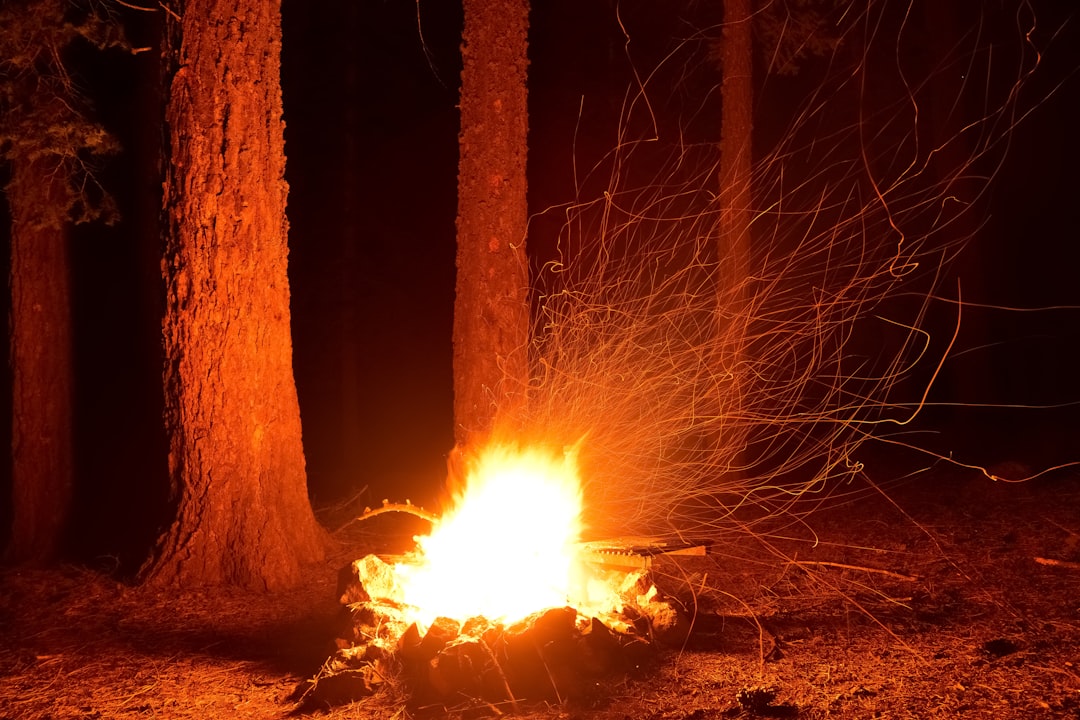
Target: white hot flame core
<point>508,546</point>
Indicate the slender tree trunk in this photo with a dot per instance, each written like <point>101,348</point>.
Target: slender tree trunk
<point>351,397</point>
<point>491,311</point>
<point>40,357</point>
<point>235,457</point>
<point>735,204</point>
<point>737,98</point>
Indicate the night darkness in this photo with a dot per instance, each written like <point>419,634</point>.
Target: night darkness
<point>370,89</point>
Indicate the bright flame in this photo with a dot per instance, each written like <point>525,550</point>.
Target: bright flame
<point>508,547</point>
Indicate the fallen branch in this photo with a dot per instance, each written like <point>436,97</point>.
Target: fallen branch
<point>1058,563</point>
<point>406,507</point>
<point>387,507</point>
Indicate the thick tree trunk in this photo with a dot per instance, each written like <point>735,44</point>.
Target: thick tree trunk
<point>491,310</point>
<point>40,357</point>
<point>231,412</point>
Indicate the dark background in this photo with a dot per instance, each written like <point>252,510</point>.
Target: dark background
<point>370,89</point>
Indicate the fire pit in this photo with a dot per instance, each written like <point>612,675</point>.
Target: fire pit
<point>552,654</point>
<point>497,607</point>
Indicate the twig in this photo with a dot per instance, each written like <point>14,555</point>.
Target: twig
<point>135,7</point>
<point>169,10</point>
<point>1058,563</point>
<point>502,678</point>
<point>405,507</point>
<point>1046,668</point>
<point>140,691</point>
<point>843,566</point>
<point>340,507</point>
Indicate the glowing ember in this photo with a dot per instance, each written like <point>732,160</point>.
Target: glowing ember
<point>508,546</point>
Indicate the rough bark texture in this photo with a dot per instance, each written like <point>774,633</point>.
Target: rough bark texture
<point>40,356</point>
<point>231,412</point>
<point>491,310</point>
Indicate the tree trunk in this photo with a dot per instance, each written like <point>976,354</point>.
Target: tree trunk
<point>236,461</point>
<point>736,212</point>
<point>737,98</point>
<point>491,310</point>
<point>41,358</point>
<point>350,263</point>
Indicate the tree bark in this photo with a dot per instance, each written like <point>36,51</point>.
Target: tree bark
<point>737,102</point>
<point>47,140</point>
<point>491,310</point>
<point>236,462</point>
<point>41,358</point>
<point>736,212</point>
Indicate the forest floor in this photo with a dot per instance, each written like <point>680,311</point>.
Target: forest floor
<point>951,597</point>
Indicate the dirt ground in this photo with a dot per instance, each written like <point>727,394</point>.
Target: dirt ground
<point>950,597</point>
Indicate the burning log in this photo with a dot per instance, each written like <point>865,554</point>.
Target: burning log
<point>555,654</point>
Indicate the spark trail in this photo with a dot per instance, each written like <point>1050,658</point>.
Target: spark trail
<point>703,402</point>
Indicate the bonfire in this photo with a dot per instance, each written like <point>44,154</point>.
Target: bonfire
<point>503,600</point>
